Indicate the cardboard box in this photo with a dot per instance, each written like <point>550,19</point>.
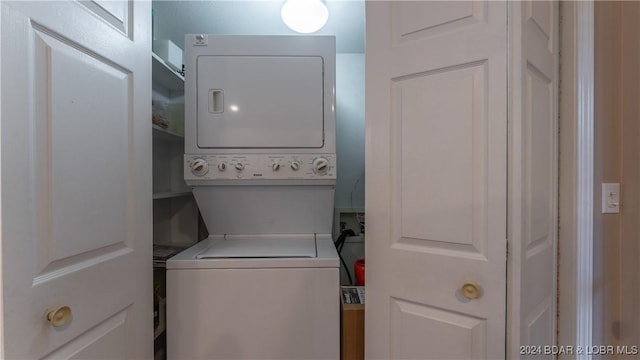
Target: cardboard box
<point>169,52</point>
<point>352,322</point>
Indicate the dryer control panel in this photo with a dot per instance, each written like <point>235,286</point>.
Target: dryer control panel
<point>259,166</point>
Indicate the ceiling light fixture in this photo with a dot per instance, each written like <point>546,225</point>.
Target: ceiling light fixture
<point>304,16</point>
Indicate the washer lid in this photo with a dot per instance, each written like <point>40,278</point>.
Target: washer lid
<point>261,246</point>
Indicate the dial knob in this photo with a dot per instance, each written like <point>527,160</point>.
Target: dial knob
<point>295,165</point>
<point>199,167</point>
<point>239,166</point>
<point>275,166</point>
<point>320,165</point>
<point>222,166</point>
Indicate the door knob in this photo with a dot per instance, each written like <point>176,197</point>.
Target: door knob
<point>59,316</point>
<point>471,290</point>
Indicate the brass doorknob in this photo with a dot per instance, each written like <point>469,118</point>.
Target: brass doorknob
<point>59,316</point>
<point>471,290</point>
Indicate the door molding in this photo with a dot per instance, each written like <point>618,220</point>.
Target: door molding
<point>585,159</point>
<point>575,309</point>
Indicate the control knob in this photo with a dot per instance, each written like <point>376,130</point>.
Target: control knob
<point>320,165</point>
<point>199,167</point>
<point>239,166</point>
<point>295,165</point>
<point>275,166</point>
<point>222,166</point>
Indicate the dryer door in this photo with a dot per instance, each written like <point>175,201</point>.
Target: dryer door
<point>260,102</point>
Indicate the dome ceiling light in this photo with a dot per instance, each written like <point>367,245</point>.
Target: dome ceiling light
<point>304,16</point>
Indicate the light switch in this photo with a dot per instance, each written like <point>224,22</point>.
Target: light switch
<point>610,198</point>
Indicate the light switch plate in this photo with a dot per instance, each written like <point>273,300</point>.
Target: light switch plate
<point>610,198</point>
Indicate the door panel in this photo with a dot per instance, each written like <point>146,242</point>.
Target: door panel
<point>115,13</point>
<point>437,113</point>
<point>105,338</point>
<point>76,187</point>
<point>459,336</point>
<point>436,179</point>
<point>533,174</point>
<point>538,180</point>
<point>418,19</point>
<point>84,157</point>
<point>542,15</point>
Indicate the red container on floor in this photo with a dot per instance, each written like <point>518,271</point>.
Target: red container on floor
<point>358,269</point>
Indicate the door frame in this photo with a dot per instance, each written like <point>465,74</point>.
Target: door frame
<point>576,187</point>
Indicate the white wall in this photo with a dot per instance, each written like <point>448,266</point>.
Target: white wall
<point>350,130</point>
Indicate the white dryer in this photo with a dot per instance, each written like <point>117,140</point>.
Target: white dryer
<point>260,157</point>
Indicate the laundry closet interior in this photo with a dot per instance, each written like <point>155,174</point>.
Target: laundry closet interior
<point>178,221</point>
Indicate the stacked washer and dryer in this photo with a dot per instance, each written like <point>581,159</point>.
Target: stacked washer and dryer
<point>260,158</point>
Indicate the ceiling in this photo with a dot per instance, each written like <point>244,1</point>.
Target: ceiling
<point>173,19</point>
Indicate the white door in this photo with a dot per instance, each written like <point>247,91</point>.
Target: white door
<point>533,175</point>
<point>457,168</point>
<point>76,179</point>
<point>436,189</point>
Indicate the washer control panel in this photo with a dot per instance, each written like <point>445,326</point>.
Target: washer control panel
<point>259,166</point>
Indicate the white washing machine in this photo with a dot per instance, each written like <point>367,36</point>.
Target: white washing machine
<point>260,157</point>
